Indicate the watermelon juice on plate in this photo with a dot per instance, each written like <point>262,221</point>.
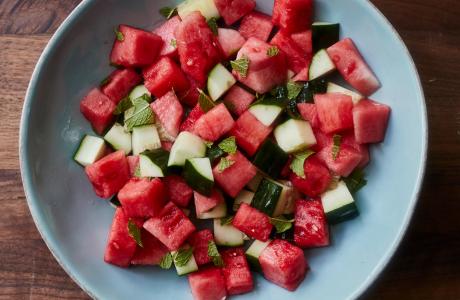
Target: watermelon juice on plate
<point>229,140</point>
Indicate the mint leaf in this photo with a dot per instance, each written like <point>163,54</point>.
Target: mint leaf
<point>135,232</point>
<point>293,89</point>
<point>138,115</point>
<point>214,254</point>
<point>281,224</point>
<point>273,51</point>
<point>205,101</point>
<point>168,12</point>
<point>241,65</point>
<point>226,220</point>
<point>166,261</point>
<point>146,98</point>
<point>297,164</point>
<point>355,181</point>
<point>123,106</point>
<point>173,43</point>
<point>337,140</point>
<point>208,144</point>
<point>183,256</point>
<point>212,23</point>
<point>119,35</point>
<point>224,164</point>
<point>137,173</point>
<point>228,145</point>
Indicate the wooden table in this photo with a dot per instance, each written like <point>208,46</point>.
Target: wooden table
<point>426,266</point>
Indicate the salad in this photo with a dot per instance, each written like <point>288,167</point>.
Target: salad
<point>224,144</point>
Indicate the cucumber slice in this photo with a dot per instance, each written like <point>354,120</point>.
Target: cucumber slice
<point>338,204</point>
<point>294,135</point>
<point>227,235</point>
<point>254,251</point>
<point>321,65</point>
<point>154,163</point>
<point>138,92</point>
<point>145,138</point>
<point>267,196</point>
<point>90,150</point>
<point>335,88</point>
<point>187,145</point>
<point>324,35</point>
<point>267,110</point>
<point>190,267</point>
<point>219,211</point>
<point>207,8</point>
<point>119,139</point>
<point>255,181</point>
<point>220,80</point>
<point>270,159</point>
<point>198,175</point>
<point>243,197</point>
<point>286,201</point>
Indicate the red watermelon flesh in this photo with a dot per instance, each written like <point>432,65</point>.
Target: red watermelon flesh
<point>303,39</point>
<point>207,284</point>
<point>238,100</point>
<point>137,48</point>
<point>164,76</point>
<point>293,15</point>
<point>171,227</point>
<point>310,227</point>
<point>177,190</point>
<point>238,277</point>
<point>195,114</point>
<point>252,222</point>
<point>120,245</point>
<point>250,133</point>
<point>234,178</point>
<point>353,68</point>
<point>142,197</point>
<point>205,203</point>
<point>199,241</point>
<point>170,112</point>
<point>297,59</point>
<point>363,149</point>
<point>303,75</point>
<point>371,121</point>
<point>214,124</point>
<point>317,178</point>
<point>322,140</point>
<point>346,161</point>
<point>109,174</point>
<point>233,10</point>
<point>334,112</point>
<point>283,264</point>
<point>199,50</point>
<point>190,96</point>
<point>133,162</point>
<point>152,251</point>
<point>257,25</point>
<point>230,40</point>
<point>167,33</point>
<point>120,83</point>
<point>309,113</point>
<point>98,110</point>
<point>264,72</point>
<point>166,145</point>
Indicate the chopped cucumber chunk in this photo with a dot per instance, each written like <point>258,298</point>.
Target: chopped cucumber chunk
<point>138,92</point>
<point>90,150</point>
<point>219,211</point>
<point>338,204</point>
<point>294,135</point>
<point>187,145</point>
<point>254,251</point>
<point>243,197</point>
<point>145,138</point>
<point>220,80</point>
<point>154,163</point>
<point>270,159</point>
<point>190,267</point>
<point>206,7</point>
<point>227,235</point>
<point>335,88</point>
<point>198,175</point>
<point>119,138</point>
<point>324,35</point>
<point>321,65</point>
<point>266,111</point>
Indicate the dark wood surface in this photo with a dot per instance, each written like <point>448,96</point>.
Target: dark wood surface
<point>427,264</point>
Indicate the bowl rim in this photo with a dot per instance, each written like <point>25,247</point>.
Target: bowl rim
<point>28,185</point>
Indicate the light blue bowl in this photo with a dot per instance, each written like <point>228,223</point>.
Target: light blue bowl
<point>74,223</point>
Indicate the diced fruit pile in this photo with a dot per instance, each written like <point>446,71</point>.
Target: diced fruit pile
<point>226,115</point>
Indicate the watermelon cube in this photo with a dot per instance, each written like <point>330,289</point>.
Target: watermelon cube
<point>310,227</point>
<point>363,149</point>
<point>214,124</point>
<point>345,162</point>
<point>120,245</point>
<point>250,133</point>
<point>309,113</point>
<point>234,178</point>
<point>371,120</point>
<point>166,145</point>
<point>171,227</point>
<point>199,241</point>
<point>98,110</point>
<point>257,25</point>
<point>283,264</point>
<point>238,100</point>
<point>353,67</point>
<point>164,76</point>
<point>265,72</point>
<point>152,251</point>
<point>120,83</point>
<point>303,75</point>
<point>195,114</point>
<point>297,59</point>
<point>322,140</point>
<point>317,178</point>
<point>199,50</point>
<point>109,174</point>
<point>293,15</point>
<point>135,47</point>
<point>177,190</point>
<point>237,275</point>
<point>303,39</point>
<point>334,112</point>
<point>233,10</point>
<point>230,40</point>
<point>133,162</point>
<point>142,197</point>
<point>169,112</point>
<point>167,33</point>
<point>207,284</point>
<point>252,222</point>
<point>190,96</point>
<point>205,203</point>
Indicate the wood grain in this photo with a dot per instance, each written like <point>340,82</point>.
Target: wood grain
<point>426,266</point>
